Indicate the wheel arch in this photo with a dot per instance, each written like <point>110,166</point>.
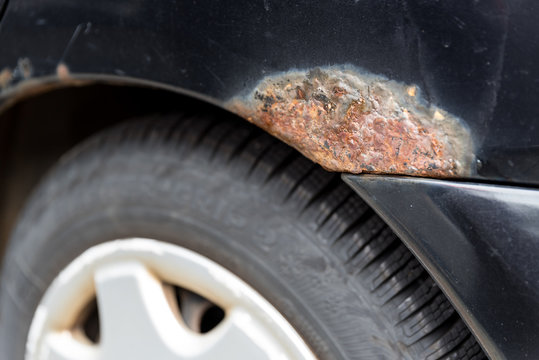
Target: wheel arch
<point>41,120</point>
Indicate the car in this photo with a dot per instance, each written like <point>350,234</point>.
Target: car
<point>269,180</point>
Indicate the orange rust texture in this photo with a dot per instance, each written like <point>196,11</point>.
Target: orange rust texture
<point>355,123</point>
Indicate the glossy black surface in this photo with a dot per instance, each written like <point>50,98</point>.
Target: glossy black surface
<point>476,59</point>
<point>480,242</point>
<point>3,4</point>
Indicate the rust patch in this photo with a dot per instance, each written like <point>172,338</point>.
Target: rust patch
<point>349,121</point>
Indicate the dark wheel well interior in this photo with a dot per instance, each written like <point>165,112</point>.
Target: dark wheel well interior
<point>35,131</point>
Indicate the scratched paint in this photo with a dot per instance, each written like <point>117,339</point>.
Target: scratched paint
<point>351,121</point>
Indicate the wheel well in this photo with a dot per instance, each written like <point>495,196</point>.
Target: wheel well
<point>36,130</point>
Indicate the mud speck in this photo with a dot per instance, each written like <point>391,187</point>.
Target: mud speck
<point>62,71</point>
<point>24,66</point>
<point>5,78</point>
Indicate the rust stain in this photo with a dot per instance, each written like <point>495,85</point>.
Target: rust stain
<point>349,121</point>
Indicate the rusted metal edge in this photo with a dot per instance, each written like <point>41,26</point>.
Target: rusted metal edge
<point>18,84</point>
<point>16,88</point>
<point>352,121</point>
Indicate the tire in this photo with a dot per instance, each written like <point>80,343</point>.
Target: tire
<point>226,190</point>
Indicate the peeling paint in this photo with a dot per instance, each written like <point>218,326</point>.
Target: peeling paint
<point>352,121</point>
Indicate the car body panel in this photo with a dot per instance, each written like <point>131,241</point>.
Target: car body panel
<point>480,242</point>
<point>475,60</point>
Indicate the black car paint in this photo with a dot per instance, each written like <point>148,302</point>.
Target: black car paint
<point>476,59</point>
<point>480,242</point>
<point>3,5</point>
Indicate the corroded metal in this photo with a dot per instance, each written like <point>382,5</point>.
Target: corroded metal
<point>354,122</point>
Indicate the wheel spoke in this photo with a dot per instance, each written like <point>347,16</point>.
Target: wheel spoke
<point>137,322</point>
<point>63,346</point>
<point>136,319</point>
